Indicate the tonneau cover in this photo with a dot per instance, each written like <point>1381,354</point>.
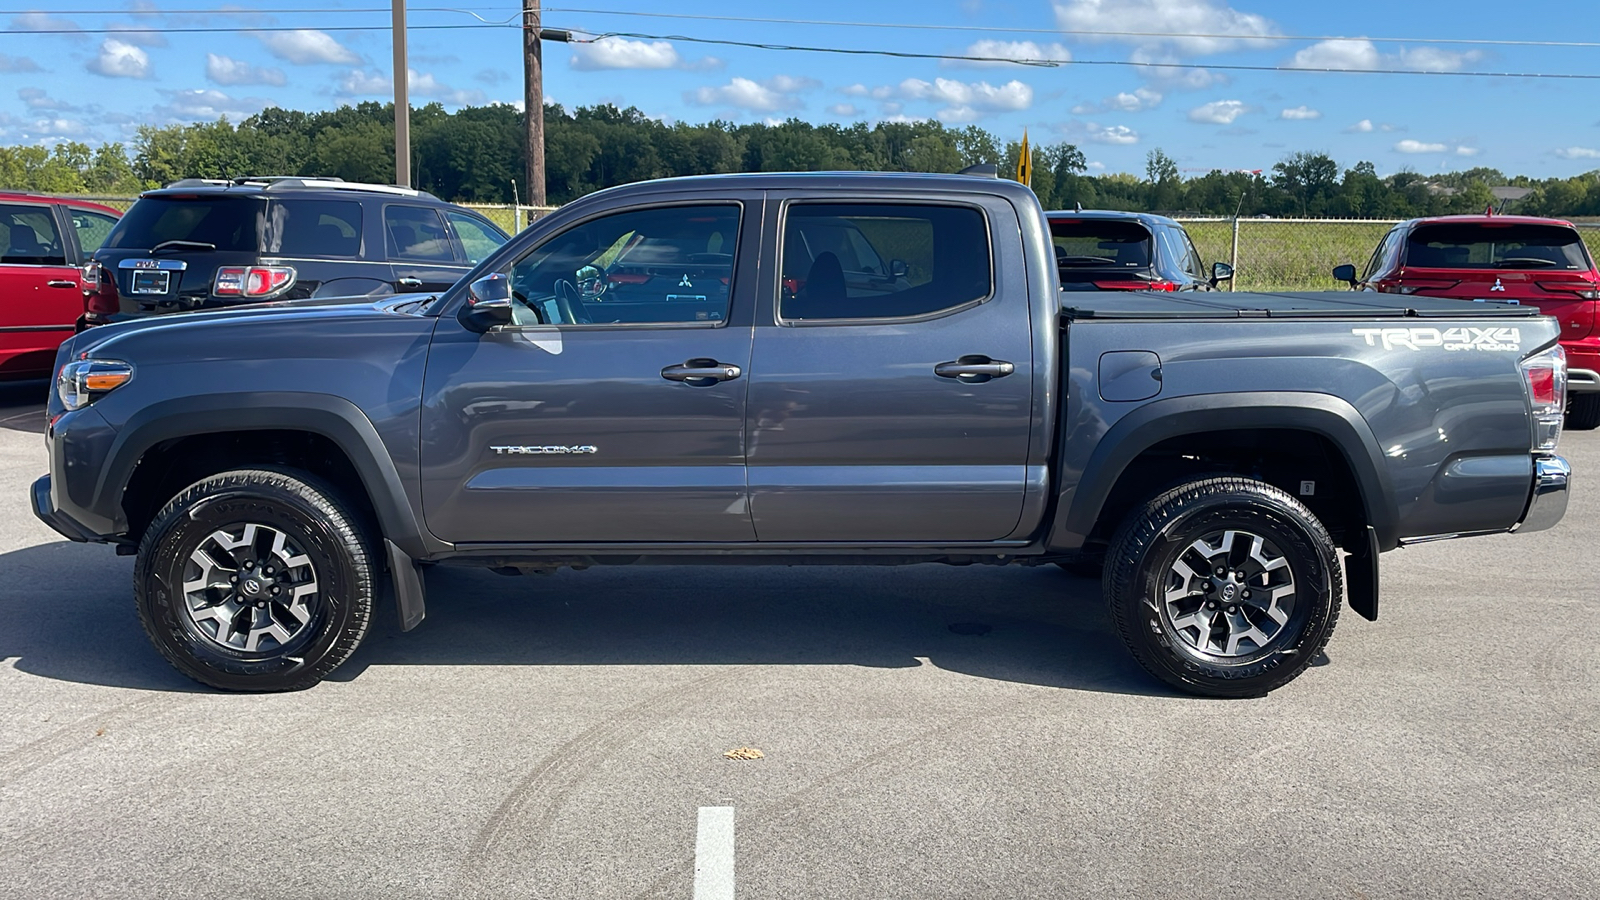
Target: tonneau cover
<point>1309,305</point>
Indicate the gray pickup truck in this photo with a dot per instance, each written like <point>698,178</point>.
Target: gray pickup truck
<point>798,368</point>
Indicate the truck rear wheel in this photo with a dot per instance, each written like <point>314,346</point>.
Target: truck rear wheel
<point>1583,412</point>
<point>255,580</point>
<point>1224,587</point>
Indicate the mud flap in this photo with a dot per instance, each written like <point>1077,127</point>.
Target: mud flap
<point>408,591</point>
<point>1361,577</point>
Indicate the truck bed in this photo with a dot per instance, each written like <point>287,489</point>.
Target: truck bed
<point>1314,304</point>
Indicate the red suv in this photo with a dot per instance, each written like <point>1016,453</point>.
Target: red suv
<point>45,243</point>
<point>1541,262</point>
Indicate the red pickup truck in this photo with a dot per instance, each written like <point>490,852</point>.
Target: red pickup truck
<point>1536,262</point>
<point>45,243</point>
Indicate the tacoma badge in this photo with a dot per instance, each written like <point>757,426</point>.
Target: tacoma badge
<point>551,450</point>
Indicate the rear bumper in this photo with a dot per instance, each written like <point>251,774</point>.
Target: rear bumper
<point>1552,477</point>
<point>1583,381</point>
<point>44,507</point>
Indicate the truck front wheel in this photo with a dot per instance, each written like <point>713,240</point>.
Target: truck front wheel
<point>1224,587</point>
<point>255,580</point>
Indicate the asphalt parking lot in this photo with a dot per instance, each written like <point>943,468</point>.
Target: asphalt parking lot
<point>559,736</point>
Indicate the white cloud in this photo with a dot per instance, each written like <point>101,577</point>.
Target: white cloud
<point>1218,112</point>
<point>61,128</point>
<point>227,70</point>
<point>1094,166</point>
<point>1361,127</point>
<point>1362,55</point>
<point>1301,112</point>
<point>1578,153</point>
<point>622,53</point>
<point>1137,100</point>
<point>1410,146</point>
<point>120,60</point>
<point>38,21</point>
<point>137,33</point>
<point>306,47</point>
<point>1466,151</point>
<point>364,83</point>
<point>1011,50</point>
<point>844,110</point>
<point>1111,134</point>
<point>17,64</point>
<point>206,104</point>
<point>774,94</point>
<point>38,99</point>
<point>963,101</point>
<point>1181,19</point>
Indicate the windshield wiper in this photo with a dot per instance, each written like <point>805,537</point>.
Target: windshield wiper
<point>1085,261</point>
<point>1527,262</point>
<point>182,245</point>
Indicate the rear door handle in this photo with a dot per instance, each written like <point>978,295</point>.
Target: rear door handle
<point>410,282</point>
<point>62,283</point>
<point>701,372</point>
<point>974,369</point>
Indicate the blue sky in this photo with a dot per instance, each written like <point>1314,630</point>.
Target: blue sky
<point>92,85</point>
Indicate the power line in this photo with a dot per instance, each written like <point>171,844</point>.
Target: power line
<point>996,29</point>
<point>988,29</point>
<point>1054,63</point>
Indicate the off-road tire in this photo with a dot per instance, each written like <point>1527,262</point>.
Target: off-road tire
<point>1583,412</point>
<point>1142,565</point>
<point>316,524</point>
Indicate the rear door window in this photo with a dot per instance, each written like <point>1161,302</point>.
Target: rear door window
<point>417,233</point>
<point>329,228</point>
<point>223,223</point>
<point>28,236</point>
<point>882,260</point>
<point>1495,246</point>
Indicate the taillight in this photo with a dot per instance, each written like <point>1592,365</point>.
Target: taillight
<point>254,282</point>
<point>1546,375</point>
<point>90,277</point>
<point>1581,288</point>
<point>103,295</point>
<point>1136,285</point>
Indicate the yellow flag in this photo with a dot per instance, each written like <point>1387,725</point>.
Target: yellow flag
<point>1025,162</point>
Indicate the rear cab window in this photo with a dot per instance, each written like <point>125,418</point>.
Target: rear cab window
<point>882,260</point>
<point>1490,245</point>
<point>1087,248</point>
<point>222,222</point>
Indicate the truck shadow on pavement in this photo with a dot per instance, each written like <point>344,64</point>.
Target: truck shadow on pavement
<point>22,405</point>
<point>66,612</point>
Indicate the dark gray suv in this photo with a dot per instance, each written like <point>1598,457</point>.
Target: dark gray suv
<point>202,243</point>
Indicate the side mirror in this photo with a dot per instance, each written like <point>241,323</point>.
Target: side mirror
<point>898,268</point>
<point>1221,271</point>
<point>1345,273</point>
<point>488,303</point>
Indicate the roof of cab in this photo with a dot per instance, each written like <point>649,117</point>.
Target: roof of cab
<point>1481,219</point>
<point>897,182</point>
<point>1110,214</point>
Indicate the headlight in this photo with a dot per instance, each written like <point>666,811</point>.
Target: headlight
<point>83,381</point>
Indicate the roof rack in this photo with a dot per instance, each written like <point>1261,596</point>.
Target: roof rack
<point>297,182</point>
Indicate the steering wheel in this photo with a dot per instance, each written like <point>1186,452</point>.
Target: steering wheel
<point>570,304</point>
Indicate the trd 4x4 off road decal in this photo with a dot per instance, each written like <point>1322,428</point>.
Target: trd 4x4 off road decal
<point>1467,338</point>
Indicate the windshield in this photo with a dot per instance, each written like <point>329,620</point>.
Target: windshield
<point>1102,244</point>
<point>1491,246</point>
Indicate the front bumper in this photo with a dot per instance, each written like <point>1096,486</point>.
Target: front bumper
<point>45,508</point>
<point>1552,476</point>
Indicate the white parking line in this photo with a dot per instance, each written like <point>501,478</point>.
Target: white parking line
<point>713,854</point>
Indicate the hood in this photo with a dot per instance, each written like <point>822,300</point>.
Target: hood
<point>319,316</point>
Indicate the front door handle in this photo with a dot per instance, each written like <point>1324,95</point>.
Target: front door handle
<point>701,372</point>
<point>974,369</point>
<point>62,283</point>
<point>410,282</point>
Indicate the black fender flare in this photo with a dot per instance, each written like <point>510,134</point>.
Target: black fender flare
<point>334,418</point>
<point>1326,415</point>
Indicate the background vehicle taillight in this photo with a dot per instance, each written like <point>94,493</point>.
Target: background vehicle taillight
<point>253,282</point>
<point>1135,285</point>
<point>1546,376</point>
<point>1582,289</point>
<point>100,290</point>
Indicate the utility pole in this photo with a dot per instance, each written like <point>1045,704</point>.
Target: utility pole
<point>402,102</point>
<point>533,100</point>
